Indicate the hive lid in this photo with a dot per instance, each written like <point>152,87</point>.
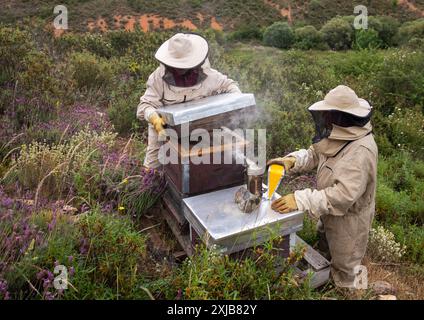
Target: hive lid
<point>207,107</point>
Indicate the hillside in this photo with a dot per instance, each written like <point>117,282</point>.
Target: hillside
<point>101,15</point>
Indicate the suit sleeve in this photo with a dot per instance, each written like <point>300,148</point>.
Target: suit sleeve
<point>306,160</point>
<point>351,177</point>
<point>151,100</point>
<point>225,84</point>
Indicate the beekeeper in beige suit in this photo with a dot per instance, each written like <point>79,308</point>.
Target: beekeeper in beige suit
<point>345,155</point>
<point>183,75</point>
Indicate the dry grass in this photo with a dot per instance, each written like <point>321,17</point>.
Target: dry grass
<point>407,280</point>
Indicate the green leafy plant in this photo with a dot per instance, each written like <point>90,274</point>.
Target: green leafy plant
<point>89,71</point>
<point>309,37</point>
<point>279,35</point>
<point>367,39</point>
<point>338,33</point>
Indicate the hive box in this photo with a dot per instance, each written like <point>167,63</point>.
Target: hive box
<point>228,111</point>
<point>187,178</point>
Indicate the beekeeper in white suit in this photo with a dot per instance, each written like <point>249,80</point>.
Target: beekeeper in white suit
<point>345,155</point>
<point>184,74</point>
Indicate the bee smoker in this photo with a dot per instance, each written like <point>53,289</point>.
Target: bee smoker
<point>255,177</point>
<point>248,199</point>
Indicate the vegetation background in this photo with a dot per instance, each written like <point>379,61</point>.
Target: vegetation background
<point>72,188</point>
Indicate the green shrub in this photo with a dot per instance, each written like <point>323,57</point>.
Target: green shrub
<point>338,33</point>
<point>309,231</point>
<point>114,247</point>
<point>104,254</point>
<point>210,275</point>
<point>50,169</point>
<point>411,236</point>
<point>38,76</point>
<point>367,39</point>
<point>399,81</point>
<point>309,37</point>
<point>406,130</point>
<point>121,40</point>
<point>14,48</point>
<point>399,190</point>
<point>387,28</point>
<point>122,109</point>
<point>410,30</point>
<point>97,44</point>
<point>89,71</point>
<point>279,35</point>
<point>247,32</point>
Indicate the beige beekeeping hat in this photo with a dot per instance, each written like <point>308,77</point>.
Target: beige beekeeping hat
<point>342,98</point>
<point>183,51</point>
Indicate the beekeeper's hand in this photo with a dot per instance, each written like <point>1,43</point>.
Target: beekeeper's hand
<point>287,162</point>
<point>285,204</point>
<point>158,123</point>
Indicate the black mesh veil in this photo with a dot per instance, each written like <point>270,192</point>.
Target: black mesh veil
<point>324,121</point>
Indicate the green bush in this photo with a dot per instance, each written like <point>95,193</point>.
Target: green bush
<point>122,109</point>
<point>114,247</point>
<point>387,28</point>
<point>406,130</point>
<point>410,30</point>
<point>14,48</point>
<point>210,275</point>
<point>97,44</point>
<point>415,44</point>
<point>399,81</point>
<point>399,189</point>
<point>338,33</point>
<point>309,37</point>
<point>89,71</point>
<point>103,254</point>
<point>121,40</point>
<point>367,39</point>
<point>49,170</point>
<point>412,237</point>
<point>279,35</point>
<point>247,32</point>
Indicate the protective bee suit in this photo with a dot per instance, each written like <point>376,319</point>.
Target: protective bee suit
<point>183,52</point>
<point>345,155</point>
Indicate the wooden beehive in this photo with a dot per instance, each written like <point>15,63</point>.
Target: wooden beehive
<point>188,178</point>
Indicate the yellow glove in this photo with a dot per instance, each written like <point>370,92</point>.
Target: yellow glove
<point>157,122</point>
<point>287,162</point>
<point>285,204</point>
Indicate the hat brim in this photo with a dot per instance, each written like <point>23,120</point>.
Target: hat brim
<point>362,110</point>
<point>193,59</point>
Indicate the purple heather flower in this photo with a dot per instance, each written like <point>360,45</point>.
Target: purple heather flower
<point>48,295</point>
<point>50,275</point>
<point>7,202</point>
<point>40,274</point>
